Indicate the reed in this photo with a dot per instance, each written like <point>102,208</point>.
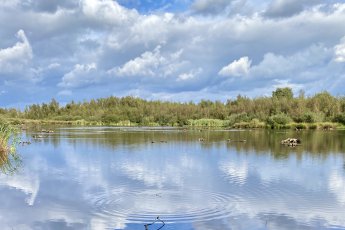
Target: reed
<point>9,159</point>
<point>208,123</point>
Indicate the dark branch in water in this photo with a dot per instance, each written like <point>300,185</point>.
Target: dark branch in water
<point>147,225</point>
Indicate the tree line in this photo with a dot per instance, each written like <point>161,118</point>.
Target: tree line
<point>278,110</point>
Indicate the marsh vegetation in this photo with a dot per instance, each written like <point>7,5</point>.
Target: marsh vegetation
<point>9,159</point>
<point>281,110</point>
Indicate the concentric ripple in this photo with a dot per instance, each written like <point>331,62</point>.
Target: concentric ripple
<point>142,206</point>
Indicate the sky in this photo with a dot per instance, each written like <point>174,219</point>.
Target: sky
<point>177,50</point>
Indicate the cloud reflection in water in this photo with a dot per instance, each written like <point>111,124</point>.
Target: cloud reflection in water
<point>87,183</point>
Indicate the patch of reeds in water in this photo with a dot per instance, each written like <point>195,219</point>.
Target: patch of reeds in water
<point>9,159</point>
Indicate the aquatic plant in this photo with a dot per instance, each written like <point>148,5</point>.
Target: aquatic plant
<point>9,159</point>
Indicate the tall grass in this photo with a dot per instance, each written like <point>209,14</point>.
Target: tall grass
<point>208,123</point>
<point>9,159</point>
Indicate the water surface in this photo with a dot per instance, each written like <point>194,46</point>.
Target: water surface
<point>123,178</point>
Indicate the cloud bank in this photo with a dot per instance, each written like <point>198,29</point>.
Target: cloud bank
<point>195,50</point>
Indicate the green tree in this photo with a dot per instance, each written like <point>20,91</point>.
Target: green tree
<point>283,93</point>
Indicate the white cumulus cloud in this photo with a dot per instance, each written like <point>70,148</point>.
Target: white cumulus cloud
<point>145,65</point>
<point>107,11</point>
<point>210,36</point>
<point>80,75</point>
<point>151,64</point>
<point>339,51</point>
<point>190,75</point>
<point>15,57</point>
<point>237,68</point>
<point>10,3</point>
<point>307,62</point>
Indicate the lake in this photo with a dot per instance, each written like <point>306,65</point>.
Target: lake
<point>124,178</point>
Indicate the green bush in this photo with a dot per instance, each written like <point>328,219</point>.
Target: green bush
<point>340,118</point>
<point>110,118</point>
<point>237,118</point>
<point>279,121</point>
<point>68,118</point>
<point>310,117</point>
<point>256,123</point>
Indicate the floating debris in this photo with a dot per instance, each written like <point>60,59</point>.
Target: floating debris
<point>292,142</point>
<point>47,131</point>
<point>161,141</point>
<point>157,219</point>
<point>229,140</point>
<point>25,142</point>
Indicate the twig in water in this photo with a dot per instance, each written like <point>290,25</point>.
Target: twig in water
<point>147,225</point>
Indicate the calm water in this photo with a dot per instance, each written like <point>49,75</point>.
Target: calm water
<point>111,178</point>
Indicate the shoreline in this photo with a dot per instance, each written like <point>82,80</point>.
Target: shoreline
<point>193,124</point>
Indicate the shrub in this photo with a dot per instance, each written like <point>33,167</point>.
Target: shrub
<point>110,118</point>
<point>237,118</point>
<point>310,117</point>
<point>340,118</point>
<point>279,121</point>
<point>256,123</point>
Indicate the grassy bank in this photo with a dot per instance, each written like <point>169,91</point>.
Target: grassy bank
<point>192,123</point>
<point>81,122</point>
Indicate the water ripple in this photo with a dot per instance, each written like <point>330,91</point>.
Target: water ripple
<point>142,206</point>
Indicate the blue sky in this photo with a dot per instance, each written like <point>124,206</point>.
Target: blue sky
<point>177,50</point>
<point>155,6</point>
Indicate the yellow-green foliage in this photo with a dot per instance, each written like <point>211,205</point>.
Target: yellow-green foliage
<point>318,125</point>
<point>125,123</point>
<point>278,111</point>
<point>207,123</point>
<point>256,123</point>
<point>253,124</point>
<point>327,125</point>
<point>299,125</point>
<point>241,125</point>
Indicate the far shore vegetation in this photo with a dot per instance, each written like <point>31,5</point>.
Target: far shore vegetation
<point>281,110</point>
